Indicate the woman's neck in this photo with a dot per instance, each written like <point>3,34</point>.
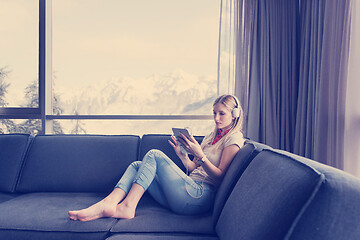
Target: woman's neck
<point>224,129</point>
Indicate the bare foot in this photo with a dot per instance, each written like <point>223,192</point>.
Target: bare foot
<point>98,210</point>
<point>124,211</point>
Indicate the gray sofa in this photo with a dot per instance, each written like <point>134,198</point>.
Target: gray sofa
<point>265,194</point>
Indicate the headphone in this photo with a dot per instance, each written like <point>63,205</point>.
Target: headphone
<point>236,111</point>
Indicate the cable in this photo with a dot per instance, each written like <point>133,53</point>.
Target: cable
<point>187,176</point>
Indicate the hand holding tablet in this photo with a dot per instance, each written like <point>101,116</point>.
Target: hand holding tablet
<point>177,133</point>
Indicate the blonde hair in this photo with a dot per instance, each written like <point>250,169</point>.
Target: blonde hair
<point>230,103</point>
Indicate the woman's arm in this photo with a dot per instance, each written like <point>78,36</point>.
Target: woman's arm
<point>227,156</point>
<point>190,165</point>
<point>192,146</point>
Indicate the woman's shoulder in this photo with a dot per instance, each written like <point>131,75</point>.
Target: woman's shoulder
<point>236,135</point>
<point>235,138</point>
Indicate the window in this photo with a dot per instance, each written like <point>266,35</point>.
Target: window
<point>19,53</point>
<point>128,66</point>
<point>19,67</point>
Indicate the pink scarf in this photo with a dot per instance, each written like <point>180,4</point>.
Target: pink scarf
<point>219,135</point>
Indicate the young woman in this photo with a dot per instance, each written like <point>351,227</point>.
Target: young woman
<point>166,182</point>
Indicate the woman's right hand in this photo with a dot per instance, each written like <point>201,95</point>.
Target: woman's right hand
<point>190,166</point>
<point>174,143</point>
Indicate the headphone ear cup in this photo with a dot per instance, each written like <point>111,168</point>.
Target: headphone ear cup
<point>236,112</point>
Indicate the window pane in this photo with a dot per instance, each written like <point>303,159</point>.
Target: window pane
<point>135,57</point>
<point>132,127</point>
<point>30,126</point>
<point>19,24</point>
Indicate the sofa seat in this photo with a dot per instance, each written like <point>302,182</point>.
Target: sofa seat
<point>38,215</point>
<point>151,217</point>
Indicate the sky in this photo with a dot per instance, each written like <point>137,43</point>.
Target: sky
<point>135,40</point>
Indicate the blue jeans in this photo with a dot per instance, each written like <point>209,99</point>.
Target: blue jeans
<point>165,182</point>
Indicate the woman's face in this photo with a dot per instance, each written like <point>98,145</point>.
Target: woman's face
<point>222,116</point>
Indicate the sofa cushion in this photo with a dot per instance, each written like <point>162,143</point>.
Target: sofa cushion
<point>77,163</point>
<point>45,216</point>
<point>12,151</point>
<point>235,170</point>
<point>160,142</point>
<point>334,212</point>
<point>38,235</point>
<point>151,217</point>
<point>157,236</point>
<point>268,197</point>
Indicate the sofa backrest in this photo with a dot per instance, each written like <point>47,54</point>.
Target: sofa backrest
<point>268,198</point>
<point>12,150</point>
<point>76,163</point>
<point>334,212</point>
<point>238,165</point>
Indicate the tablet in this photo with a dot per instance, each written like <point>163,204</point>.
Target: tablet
<point>184,131</point>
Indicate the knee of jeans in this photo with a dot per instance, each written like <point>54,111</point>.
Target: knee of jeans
<point>156,156</point>
<point>154,153</point>
<point>136,164</point>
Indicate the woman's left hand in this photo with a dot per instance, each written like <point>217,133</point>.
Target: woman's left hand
<point>191,146</point>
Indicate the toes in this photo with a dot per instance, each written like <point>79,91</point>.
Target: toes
<point>73,217</point>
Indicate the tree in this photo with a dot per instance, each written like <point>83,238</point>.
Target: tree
<point>6,125</point>
<point>3,87</point>
<point>79,126</point>
<point>57,110</point>
<point>33,126</point>
<point>29,126</point>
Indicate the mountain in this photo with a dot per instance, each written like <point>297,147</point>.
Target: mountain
<point>174,93</point>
